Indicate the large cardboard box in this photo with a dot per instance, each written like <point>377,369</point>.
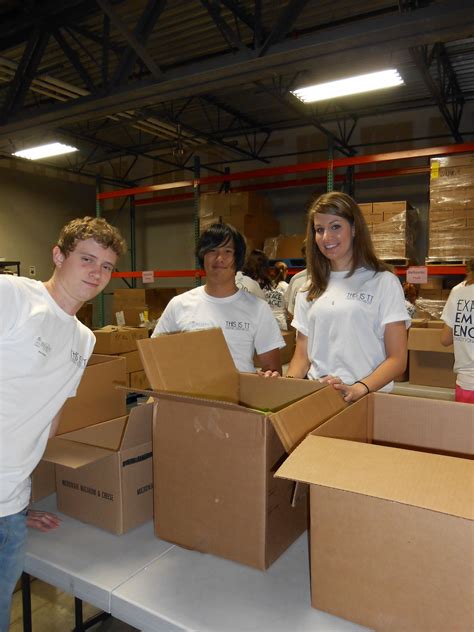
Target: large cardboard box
<point>216,449</point>
<point>137,300</point>
<point>392,509</point>
<point>97,399</point>
<point>104,472</point>
<point>111,339</point>
<point>430,364</point>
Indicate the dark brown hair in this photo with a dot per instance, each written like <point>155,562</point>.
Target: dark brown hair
<point>95,228</point>
<point>319,267</point>
<point>257,267</point>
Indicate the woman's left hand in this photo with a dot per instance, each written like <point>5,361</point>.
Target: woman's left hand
<point>350,392</point>
<point>42,520</point>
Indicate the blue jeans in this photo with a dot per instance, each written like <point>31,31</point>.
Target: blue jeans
<point>12,553</point>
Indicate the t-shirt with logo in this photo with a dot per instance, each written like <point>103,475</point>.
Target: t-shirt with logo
<point>346,325</point>
<point>43,353</point>
<point>458,314</point>
<point>246,322</point>
<point>275,298</point>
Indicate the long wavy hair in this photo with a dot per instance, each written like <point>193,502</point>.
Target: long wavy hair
<point>319,267</point>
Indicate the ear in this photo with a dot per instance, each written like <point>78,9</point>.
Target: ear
<point>58,256</point>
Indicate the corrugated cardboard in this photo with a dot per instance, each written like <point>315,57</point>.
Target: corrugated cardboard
<point>216,448</point>
<point>112,339</point>
<point>97,399</point>
<point>430,364</point>
<point>104,472</point>
<point>392,509</point>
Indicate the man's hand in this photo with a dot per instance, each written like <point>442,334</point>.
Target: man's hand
<point>268,373</point>
<point>42,520</point>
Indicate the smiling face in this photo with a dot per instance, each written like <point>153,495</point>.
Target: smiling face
<point>83,274</point>
<point>219,263</point>
<point>334,237</point>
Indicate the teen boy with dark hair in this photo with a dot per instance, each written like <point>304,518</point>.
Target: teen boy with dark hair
<point>246,321</point>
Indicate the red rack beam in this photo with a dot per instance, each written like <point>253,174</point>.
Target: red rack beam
<point>298,168</point>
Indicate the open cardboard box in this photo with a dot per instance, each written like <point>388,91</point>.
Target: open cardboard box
<point>97,399</point>
<point>392,509</point>
<point>216,449</point>
<point>104,472</point>
<point>430,363</point>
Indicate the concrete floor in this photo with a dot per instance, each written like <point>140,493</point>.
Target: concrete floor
<point>53,611</point>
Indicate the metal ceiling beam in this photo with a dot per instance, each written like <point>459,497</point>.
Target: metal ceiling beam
<point>75,60</point>
<point>133,42</point>
<point>283,24</point>
<point>445,89</point>
<point>26,71</point>
<point>232,38</point>
<point>371,37</point>
<point>143,29</point>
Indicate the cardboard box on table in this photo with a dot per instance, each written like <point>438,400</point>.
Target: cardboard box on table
<point>392,509</point>
<point>216,449</point>
<point>430,363</point>
<point>104,472</point>
<point>96,400</point>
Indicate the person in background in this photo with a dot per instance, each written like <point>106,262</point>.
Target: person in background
<point>351,320</point>
<point>44,350</point>
<point>279,278</point>
<point>246,321</point>
<point>411,294</point>
<point>297,282</point>
<point>458,316</point>
<point>257,267</point>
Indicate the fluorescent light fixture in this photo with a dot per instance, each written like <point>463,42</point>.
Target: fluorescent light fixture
<point>351,85</point>
<point>45,151</point>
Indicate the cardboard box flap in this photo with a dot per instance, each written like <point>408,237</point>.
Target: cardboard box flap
<point>204,401</point>
<point>194,363</point>
<point>420,479</point>
<point>107,434</point>
<point>139,426</point>
<point>72,454</point>
<point>421,339</point>
<point>275,393</point>
<point>297,420</point>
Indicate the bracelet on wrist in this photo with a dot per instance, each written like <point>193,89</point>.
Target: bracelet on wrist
<point>363,384</point>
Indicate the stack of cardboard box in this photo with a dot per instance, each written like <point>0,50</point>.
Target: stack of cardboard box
<point>430,363</point>
<point>248,212</point>
<point>134,307</point>
<point>122,342</point>
<point>451,219</point>
<point>284,247</point>
<point>393,226</point>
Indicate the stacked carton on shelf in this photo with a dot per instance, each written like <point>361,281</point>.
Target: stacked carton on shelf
<point>284,246</point>
<point>393,226</point>
<point>134,307</point>
<point>122,342</point>
<point>248,212</point>
<point>451,219</point>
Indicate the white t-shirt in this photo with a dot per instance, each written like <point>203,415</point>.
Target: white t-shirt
<point>246,283</point>
<point>283,285</point>
<point>458,314</point>
<point>43,353</point>
<point>275,298</point>
<point>246,322</point>
<point>296,283</point>
<point>346,325</point>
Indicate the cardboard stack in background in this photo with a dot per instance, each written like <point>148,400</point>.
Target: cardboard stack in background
<point>133,307</point>
<point>216,448</point>
<point>451,217</point>
<point>104,471</point>
<point>430,363</point>
<point>394,227</point>
<point>284,246</point>
<point>122,342</point>
<point>392,513</point>
<point>85,314</point>
<point>248,212</point>
<point>96,400</point>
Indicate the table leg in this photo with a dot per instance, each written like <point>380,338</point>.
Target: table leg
<point>26,602</point>
<point>82,625</point>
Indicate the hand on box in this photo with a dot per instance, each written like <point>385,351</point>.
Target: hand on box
<point>268,373</point>
<point>350,392</point>
<point>42,520</point>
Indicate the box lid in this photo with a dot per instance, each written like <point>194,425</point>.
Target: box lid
<point>426,339</point>
<point>73,454</point>
<point>192,363</point>
<point>430,481</point>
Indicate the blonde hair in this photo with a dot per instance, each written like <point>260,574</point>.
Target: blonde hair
<point>95,228</point>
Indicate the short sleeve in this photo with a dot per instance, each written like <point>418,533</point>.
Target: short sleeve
<point>10,305</point>
<point>268,335</point>
<point>392,306</point>
<point>449,310</point>
<point>167,322</point>
<point>300,320</point>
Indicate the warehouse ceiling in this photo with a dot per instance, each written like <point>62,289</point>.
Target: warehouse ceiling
<point>168,80</point>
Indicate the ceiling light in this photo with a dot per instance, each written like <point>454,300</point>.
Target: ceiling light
<point>45,151</point>
<point>351,85</point>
